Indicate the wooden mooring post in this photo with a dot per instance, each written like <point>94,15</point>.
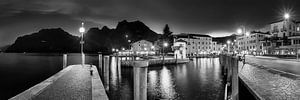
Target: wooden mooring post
<point>229,64</point>
<point>65,61</point>
<point>100,66</point>
<point>140,69</point>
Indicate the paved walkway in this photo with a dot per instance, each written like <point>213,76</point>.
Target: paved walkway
<point>260,76</point>
<point>290,66</point>
<point>74,85</point>
<point>76,82</point>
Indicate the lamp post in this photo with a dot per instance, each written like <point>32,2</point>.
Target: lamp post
<point>164,45</point>
<point>82,30</point>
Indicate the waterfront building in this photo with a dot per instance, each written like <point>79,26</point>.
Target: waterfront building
<point>295,39</point>
<point>284,39</point>
<point>179,48</point>
<point>216,48</point>
<point>251,43</point>
<point>197,44</point>
<point>143,47</point>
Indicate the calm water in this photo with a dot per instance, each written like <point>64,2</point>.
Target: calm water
<point>19,72</point>
<point>196,80</point>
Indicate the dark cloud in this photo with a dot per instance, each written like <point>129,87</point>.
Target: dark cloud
<point>19,17</point>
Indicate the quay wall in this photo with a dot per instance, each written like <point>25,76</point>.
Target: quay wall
<point>156,62</point>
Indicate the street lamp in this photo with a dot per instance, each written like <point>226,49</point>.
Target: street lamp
<point>82,30</point>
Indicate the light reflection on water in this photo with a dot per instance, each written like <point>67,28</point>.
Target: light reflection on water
<point>199,79</point>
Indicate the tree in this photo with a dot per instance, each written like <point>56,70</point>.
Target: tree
<point>167,37</point>
<point>166,32</point>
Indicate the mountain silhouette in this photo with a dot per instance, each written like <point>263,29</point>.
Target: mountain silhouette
<point>46,40</point>
<point>96,40</point>
<point>105,39</point>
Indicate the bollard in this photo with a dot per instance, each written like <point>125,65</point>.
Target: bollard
<point>91,70</point>
<point>119,66</point>
<point>235,82</point>
<point>176,60</point>
<point>140,69</point>
<point>106,72</point>
<point>65,60</point>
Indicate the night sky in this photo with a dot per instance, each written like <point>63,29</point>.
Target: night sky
<point>214,17</point>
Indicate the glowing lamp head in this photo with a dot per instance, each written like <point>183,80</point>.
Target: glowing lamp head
<point>166,44</point>
<point>152,47</point>
<point>247,33</point>
<point>123,49</point>
<point>286,16</point>
<point>228,42</point>
<point>113,49</point>
<point>82,29</point>
<point>239,31</point>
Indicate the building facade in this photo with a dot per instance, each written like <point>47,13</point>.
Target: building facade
<point>285,38</point>
<point>180,49</point>
<point>143,47</point>
<point>216,48</point>
<point>251,43</point>
<point>198,44</point>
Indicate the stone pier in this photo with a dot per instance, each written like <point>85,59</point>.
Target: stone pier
<point>75,82</point>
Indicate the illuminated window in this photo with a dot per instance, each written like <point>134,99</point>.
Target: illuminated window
<point>298,28</point>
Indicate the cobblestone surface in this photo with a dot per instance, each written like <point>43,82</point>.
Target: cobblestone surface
<point>270,85</point>
<point>74,85</point>
<point>290,66</point>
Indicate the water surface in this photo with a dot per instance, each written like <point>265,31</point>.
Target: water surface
<point>198,80</point>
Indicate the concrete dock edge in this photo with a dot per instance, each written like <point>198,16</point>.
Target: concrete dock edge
<point>250,87</point>
<point>98,90</point>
